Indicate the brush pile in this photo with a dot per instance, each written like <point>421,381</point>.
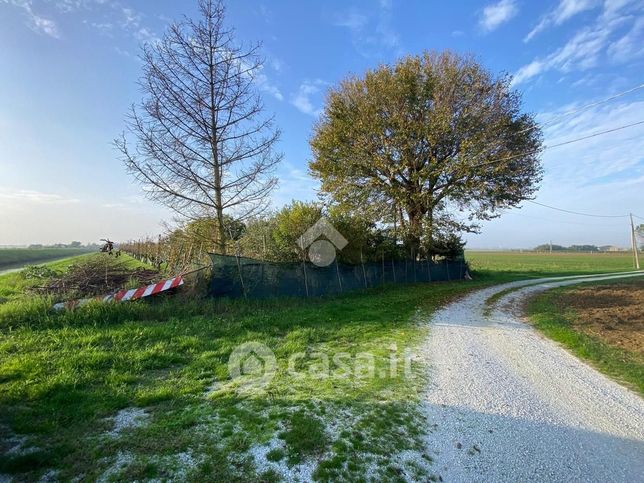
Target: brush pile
<point>96,275</point>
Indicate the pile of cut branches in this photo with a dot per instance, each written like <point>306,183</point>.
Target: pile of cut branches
<point>96,275</point>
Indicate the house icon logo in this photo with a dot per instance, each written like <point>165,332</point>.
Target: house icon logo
<point>253,364</point>
<point>322,251</point>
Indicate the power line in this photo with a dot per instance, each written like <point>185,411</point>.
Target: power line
<point>534,151</point>
<point>594,134</point>
<point>576,212</point>
<point>587,106</point>
<point>580,109</point>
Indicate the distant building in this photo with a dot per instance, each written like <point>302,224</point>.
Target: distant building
<point>610,248</point>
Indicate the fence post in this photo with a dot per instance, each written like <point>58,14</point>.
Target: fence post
<point>413,264</point>
<point>158,260</point>
<point>383,268</point>
<point>429,271</point>
<point>364,273</point>
<point>241,277</point>
<point>337,270</point>
<point>306,281</point>
<point>393,269</point>
<point>447,269</point>
<point>406,270</point>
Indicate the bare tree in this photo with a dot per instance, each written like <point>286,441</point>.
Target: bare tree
<point>203,144</point>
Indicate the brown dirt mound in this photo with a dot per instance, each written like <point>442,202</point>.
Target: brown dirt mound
<point>613,313</point>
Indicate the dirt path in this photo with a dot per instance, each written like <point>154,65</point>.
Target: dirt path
<point>506,404</point>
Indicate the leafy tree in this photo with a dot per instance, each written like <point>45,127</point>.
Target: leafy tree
<point>413,142</point>
<point>290,224</point>
<point>205,231</point>
<point>203,145</point>
<point>277,237</point>
<point>257,240</point>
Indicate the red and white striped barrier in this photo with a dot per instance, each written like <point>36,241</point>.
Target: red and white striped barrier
<point>125,295</point>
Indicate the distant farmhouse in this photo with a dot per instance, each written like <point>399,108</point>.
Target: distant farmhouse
<point>610,248</point>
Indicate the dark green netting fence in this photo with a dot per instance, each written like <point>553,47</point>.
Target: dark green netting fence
<point>240,276</point>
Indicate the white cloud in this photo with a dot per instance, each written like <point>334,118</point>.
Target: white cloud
<point>352,20</point>
<point>302,98</point>
<point>45,26</point>
<point>371,34</point>
<point>265,85</point>
<point>528,71</point>
<point>630,46</point>
<point>602,175</point>
<point>295,184</point>
<point>36,22</point>
<point>565,10</point>
<point>592,160</point>
<point>34,197</point>
<point>497,13</point>
<point>584,50</point>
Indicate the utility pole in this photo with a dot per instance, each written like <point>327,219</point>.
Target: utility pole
<point>634,243</point>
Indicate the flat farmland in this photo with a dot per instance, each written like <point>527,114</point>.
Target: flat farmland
<point>540,264</point>
<point>17,257</point>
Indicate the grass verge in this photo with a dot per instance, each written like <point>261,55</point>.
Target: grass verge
<point>551,315</point>
<point>142,390</point>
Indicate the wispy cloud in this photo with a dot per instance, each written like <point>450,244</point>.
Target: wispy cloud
<point>371,34</point>
<point>36,22</point>
<point>295,184</point>
<point>496,14</point>
<point>631,45</point>
<point>352,20</point>
<point>600,158</point>
<point>565,10</point>
<point>264,84</point>
<point>579,53</point>
<point>589,45</point>
<point>302,99</point>
<point>45,26</point>
<point>31,196</point>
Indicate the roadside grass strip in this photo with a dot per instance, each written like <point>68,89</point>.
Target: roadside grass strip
<point>546,313</point>
<point>143,391</point>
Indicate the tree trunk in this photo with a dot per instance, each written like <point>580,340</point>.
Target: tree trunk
<point>221,242</point>
<point>413,234</point>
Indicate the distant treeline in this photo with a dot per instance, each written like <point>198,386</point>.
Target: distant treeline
<point>546,247</point>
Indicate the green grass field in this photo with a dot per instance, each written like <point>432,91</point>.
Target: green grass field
<point>16,257</point>
<point>532,264</point>
<point>63,375</point>
<point>67,378</point>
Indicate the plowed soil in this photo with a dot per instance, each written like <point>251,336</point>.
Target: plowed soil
<point>613,313</point>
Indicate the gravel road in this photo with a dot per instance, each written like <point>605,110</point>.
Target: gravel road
<point>507,404</point>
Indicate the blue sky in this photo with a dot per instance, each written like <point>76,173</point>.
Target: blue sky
<point>69,71</point>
